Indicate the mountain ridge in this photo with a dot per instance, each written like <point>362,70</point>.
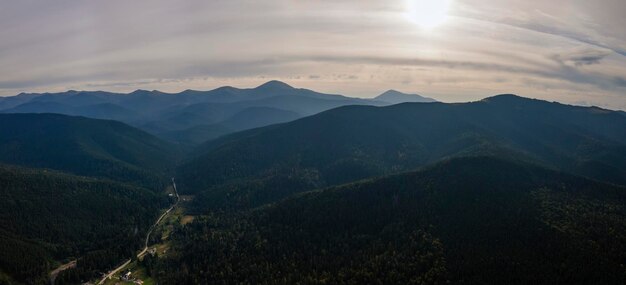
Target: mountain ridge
<point>354,142</point>
<point>162,113</point>
<point>84,146</point>
<point>396,97</point>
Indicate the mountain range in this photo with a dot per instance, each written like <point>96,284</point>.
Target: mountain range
<point>356,142</point>
<point>281,185</point>
<point>192,117</point>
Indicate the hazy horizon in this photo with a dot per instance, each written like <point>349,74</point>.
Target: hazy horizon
<point>289,162</point>
<point>566,51</point>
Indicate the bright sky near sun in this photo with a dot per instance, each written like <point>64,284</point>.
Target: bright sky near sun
<point>454,50</point>
<point>427,14</point>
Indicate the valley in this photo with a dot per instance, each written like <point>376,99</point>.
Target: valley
<point>280,142</point>
<point>411,193</point>
<point>191,117</point>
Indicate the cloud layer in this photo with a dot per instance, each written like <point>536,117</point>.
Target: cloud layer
<point>566,50</point>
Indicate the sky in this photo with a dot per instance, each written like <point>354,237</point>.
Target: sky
<point>572,51</point>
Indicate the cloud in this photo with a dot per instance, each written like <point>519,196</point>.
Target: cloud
<point>620,81</point>
<point>543,17</point>
<point>560,32</point>
<point>561,71</point>
<point>353,47</point>
<point>582,58</point>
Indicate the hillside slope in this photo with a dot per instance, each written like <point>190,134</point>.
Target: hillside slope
<point>84,146</point>
<point>245,119</point>
<point>47,216</point>
<point>355,142</point>
<point>465,221</point>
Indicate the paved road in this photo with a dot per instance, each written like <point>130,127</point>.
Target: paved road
<point>55,273</point>
<point>145,248</point>
<point>112,272</point>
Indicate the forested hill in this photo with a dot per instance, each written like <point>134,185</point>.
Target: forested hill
<point>189,117</point>
<point>76,188</point>
<point>355,142</point>
<point>89,147</point>
<point>463,221</point>
<point>47,216</point>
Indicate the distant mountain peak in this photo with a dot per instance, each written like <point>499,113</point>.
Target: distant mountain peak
<point>395,97</point>
<point>274,84</point>
<point>392,92</point>
<point>507,98</point>
<point>143,91</point>
<point>226,88</point>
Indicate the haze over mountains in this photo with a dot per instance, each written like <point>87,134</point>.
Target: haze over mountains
<point>512,191</point>
<point>355,142</point>
<point>118,166</point>
<point>191,117</point>
<point>396,97</point>
<point>288,185</point>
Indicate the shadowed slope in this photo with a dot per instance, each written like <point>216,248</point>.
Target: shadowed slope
<point>356,142</point>
<point>467,221</point>
<point>84,146</point>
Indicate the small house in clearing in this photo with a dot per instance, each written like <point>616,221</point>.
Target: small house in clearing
<point>126,276</point>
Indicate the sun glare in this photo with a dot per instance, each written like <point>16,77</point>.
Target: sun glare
<point>428,13</point>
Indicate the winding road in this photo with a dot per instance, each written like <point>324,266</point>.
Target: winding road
<point>145,248</point>
<point>110,274</point>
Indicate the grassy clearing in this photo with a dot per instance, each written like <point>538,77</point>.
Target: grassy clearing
<point>187,219</point>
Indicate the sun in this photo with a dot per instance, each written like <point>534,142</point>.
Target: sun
<point>428,13</point>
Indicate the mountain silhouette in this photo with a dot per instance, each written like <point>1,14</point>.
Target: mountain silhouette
<point>163,114</point>
<point>396,97</point>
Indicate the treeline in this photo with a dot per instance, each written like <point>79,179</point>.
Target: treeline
<point>47,216</point>
<point>86,147</point>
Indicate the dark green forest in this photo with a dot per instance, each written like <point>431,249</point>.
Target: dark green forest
<point>86,147</point>
<point>506,190</point>
<point>358,142</point>
<point>47,216</point>
<point>74,188</point>
<point>466,221</point>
